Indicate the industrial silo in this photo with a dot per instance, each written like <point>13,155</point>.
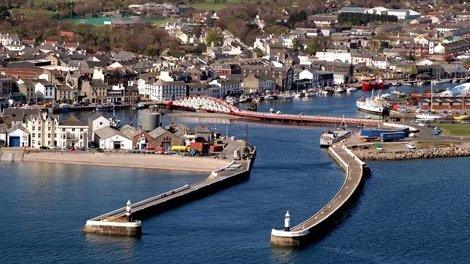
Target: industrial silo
<point>149,120</point>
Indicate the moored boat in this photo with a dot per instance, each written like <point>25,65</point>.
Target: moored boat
<point>373,85</point>
<point>373,105</point>
<point>328,138</point>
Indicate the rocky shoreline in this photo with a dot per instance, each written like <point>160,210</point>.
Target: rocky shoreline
<point>445,152</point>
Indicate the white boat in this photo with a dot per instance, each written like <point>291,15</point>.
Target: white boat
<point>299,95</point>
<point>428,116</point>
<point>340,90</point>
<point>373,105</point>
<point>285,95</point>
<point>425,116</point>
<point>268,97</point>
<point>351,89</point>
<point>310,94</point>
<point>324,92</point>
<point>396,92</point>
<point>330,137</point>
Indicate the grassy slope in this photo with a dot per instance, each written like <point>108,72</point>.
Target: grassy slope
<point>455,129</point>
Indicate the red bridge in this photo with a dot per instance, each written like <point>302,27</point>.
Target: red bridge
<point>215,105</point>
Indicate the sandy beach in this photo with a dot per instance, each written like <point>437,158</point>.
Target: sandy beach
<point>146,161</point>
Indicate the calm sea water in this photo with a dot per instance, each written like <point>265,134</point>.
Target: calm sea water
<point>409,212</point>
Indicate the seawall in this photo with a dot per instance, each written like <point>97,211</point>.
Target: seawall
<point>127,160</point>
<point>326,218</point>
<point>112,223</point>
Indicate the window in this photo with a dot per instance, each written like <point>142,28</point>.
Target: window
<point>73,129</point>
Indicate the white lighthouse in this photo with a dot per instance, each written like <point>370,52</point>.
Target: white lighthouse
<point>287,221</point>
<point>128,210</point>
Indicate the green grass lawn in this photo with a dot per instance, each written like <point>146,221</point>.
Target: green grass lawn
<point>214,5</point>
<point>455,129</point>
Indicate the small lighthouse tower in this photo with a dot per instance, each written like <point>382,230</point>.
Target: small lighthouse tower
<point>287,221</point>
<point>128,210</point>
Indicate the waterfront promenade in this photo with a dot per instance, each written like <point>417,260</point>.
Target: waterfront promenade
<point>129,160</point>
<point>318,223</point>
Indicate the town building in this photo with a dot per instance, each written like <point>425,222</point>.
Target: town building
<point>108,138</point>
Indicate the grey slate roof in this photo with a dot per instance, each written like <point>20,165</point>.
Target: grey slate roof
<point>107,132</point>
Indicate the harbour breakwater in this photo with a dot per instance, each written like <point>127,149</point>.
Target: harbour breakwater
<point>323,220</point>
<point>120,222</point>
<point>424,153</point>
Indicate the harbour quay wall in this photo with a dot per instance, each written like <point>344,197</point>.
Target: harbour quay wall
<point>117,159</point>
<point>327,218</point>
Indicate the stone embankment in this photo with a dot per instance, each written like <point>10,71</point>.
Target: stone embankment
<point>425,153</point>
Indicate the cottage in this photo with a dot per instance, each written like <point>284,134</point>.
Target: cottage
<point>109,138</point>
<point>18,137</point>
<point>97,121</point>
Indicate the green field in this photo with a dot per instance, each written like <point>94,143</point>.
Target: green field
<point>455,129</point>
<point>216,5</point>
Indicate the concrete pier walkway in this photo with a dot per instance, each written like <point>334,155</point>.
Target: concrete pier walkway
<point>306,231</point>
<point>117,223</point>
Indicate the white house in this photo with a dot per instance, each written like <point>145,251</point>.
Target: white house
<point>439,49</point>
<point>380,62</point>
<point>421,40</point>
<point>97,121</point>
<point>98,74</point>
<point>45,90</point>
<point>71,133</point>
<point>42,130</point>
<point>306,75</point>
<point>262,44</point>
<point>424,62</point>
<point>358,58</point>
<point>227,86</point>
<point>112,139</point>
<point>342,56</point>
<point>18,137</point>
<point>162,91</point>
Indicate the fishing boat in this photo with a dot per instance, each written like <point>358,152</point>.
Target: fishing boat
<point>373,85</point>
<point>373,105</point>
<point>328,138</point>
<point>351,89</point>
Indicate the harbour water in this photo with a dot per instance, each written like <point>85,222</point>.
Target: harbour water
<point>409,211</point>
